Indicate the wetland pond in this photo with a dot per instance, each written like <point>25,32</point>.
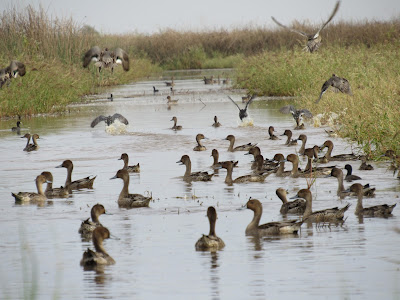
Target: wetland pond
<point>155,255</point>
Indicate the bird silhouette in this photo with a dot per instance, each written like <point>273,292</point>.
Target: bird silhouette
<point>109,120</point>
<point>339,83</point>
<point>243,111</point>
<point>106,58</point>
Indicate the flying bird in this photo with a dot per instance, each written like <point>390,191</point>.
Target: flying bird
<point>243,112</point>
<point>109,120</point>
<point>339,83</point>
<point>313,40</point>
<point>297,114</point>
<point>106,58</point>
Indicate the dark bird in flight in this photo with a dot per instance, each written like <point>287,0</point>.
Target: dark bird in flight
<point>297,114</point>
<point>339,83</point>
<point>243,112</point>
<point>313,40</point>
<point>106,58</point>
<point>109,120</point>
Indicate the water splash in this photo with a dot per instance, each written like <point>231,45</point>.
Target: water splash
<point>246,122</point>
<point>329,119</point>
<point>116,128</point>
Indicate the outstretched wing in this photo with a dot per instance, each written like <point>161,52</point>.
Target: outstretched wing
<point>325,86</point>
<point>248,102</point>
<point>290,29</point>
<point>93,52</point>
<point>288,109</point>
<point>121,55</point>
<point>98,120</point>
<point>306,113</point>
<point>234,102</point>
<point>330,18</point>
<point>121,118</point>
<point>342,85</point>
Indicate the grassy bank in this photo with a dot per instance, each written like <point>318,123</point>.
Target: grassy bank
<point>370,116</point>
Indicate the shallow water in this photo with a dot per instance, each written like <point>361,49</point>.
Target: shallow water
<point>155,254</point>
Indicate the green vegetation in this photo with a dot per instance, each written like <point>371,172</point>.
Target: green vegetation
<point>370,116</point>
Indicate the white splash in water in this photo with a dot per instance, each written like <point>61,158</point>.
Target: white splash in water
<point>116,128</point>
<point>330,119</point>
<point>246,122</point>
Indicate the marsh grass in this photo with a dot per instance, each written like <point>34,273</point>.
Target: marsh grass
<point>370,116</point>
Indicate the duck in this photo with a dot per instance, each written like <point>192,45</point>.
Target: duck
<point>196,176</point>
<point>86,182</point>
<point>34,146</point>
<point>349,176</point>
<point>170,101</point>
<point>216,163</point>
<point>130,169</point>
<point>279,158</point>
<point>382,210</point>
<point>271,228</point>
<point>313,40</point>
<point>340,157</point>
<point>126,200</point>
<point>28,137</point>
<point>297,206</point>
<point>17,128</point>
<point>87,227</point>
<point>14,69</point>
<point>216,123</point>
<point>155,90</point>
<point>303,139</point>
<point>315,171</point>
<point>170,83</point>
<point>91,258</point>
<point>111,98</point>
<point>231,139</point>
<point>330,215</point>
<point>261,166</point>
<point>53,192</point>
<point>243,112</point>
<point>210,242</point>
<point>289,141</point>
<point>175,127</point>
<point>293,158</point>
<point>338,83</point>
<point>208,80</point>
<point>31,197</point>
<point>106,58</point>
<point>272,136</point>
<point>109,120</point>
<point>364,165</point>
<point>199,146</point>
<point>297,114</point>
<point>341,192</point>
<point>242,179</point>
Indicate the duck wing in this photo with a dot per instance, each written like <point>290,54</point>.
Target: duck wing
<point>234,102</point>
<point>121,118</point>
<point>92,52</point>
<point>325,86</point>
<point>336,8</point>
<point>290,29</point>
<point>123,57</point>
<point>98,120</point>
<point>16,67</point>
<point>248,102</point>
<point>288,109</point>
<point>306,113</point>
<point>342,84</point>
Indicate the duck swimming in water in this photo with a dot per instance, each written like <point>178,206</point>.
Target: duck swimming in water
<point>28,137</point>
<point>31,197</point>
<point>216,123</point>
<point>199,146</point>
<point>243,112</point>
<point>51,192</point>
<point>272,228</point>
<point>216,163</point>
<point>210,242</point>
<point>330,215</point>
<point>87,227</point>
<point>109,120</point>
<point>86,182</point>
<point>382,210</point>
<point>342,192</point>
<point>231,139</point>
<point>340,157</point>
<point>272,136</point>
<point>34,146</point>
<point>17,129</point>
<point>297,206</point>
<point>289,141</point>
<point>171,101</point>
<point>364,165</point>
<point>349,176</point>
<point>175,127</point>
<point>242,179</point>
<point>91,258</point>
<point>196,176</point>
<point>130,169</point>
<point>303,139</point>
<point>313,40</point>
<point>126,200</point>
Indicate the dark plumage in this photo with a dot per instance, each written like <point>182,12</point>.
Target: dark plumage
<point>14,69</point>
<point>339,83</point>
<point>297,114</point>
<point>243,112</point>
<point>313,40</point>
<point>349,176</point>
<point>109,120</point>
<point>106,58</point>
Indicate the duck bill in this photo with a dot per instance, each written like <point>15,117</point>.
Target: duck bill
<point>115,177</point>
